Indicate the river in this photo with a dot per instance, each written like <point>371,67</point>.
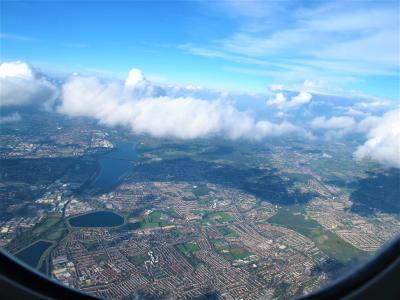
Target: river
<point>114,164</point>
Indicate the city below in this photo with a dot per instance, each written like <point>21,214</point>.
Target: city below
<point>121,215</point>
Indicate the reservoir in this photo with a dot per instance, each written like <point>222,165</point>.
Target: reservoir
<point>32,254</point>
<point>97,219</point>
<point>114,164</point>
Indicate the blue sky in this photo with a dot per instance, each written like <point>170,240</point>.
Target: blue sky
<point>340,47</point>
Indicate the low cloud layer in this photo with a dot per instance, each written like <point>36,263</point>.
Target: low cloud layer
<point>142,107</point>
<point>334,127</point>
<point>342,122</point>
<point>22,85</point>
<point>281,102</point>
<point>11,118</point>
<point>383,140</point>
<point>192,112</point>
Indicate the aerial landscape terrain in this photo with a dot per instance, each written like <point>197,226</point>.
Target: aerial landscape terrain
<point>119,214</point>
<point>198,150</point>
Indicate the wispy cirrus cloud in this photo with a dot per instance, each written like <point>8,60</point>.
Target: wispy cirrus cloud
<point>339,43</point>
<point>76,45</point>
<point>16,37</point>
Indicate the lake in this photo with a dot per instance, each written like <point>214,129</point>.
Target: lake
<point>97,219</point>
<point>114,164</point>
<point>32,254</point>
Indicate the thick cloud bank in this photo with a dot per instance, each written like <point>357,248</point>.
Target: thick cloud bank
<point>188,112</point>
<point>22,85</point>
<point>142,107</point>
<point>383,144</point>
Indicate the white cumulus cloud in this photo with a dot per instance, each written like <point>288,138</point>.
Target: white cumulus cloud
<point>278,101</point>
<point>341,122</point>
<point>22,85</point>
<point>135,78</point>
<point>140,87</point>
<point>383,140</point>
<point>336,127</point>
<point>300,99</point>
<point>281,102</point>
<point>138,104</point>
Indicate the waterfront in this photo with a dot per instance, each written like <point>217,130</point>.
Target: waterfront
<point>97,219</point>
<point>32,254</point>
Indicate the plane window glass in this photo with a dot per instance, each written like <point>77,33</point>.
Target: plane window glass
<point>198,150</point>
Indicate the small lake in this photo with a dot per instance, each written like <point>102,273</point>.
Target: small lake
<point>114,164</point>
<point>32,254</point>
<point>97,219</point>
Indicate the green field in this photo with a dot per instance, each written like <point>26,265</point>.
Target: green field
<point>45,225</point>
<point>172,213</point>
<point>138,260</point>
<point>91,245</point>
<point>100,258</point>
<point>218,244</point>
<point>199,212</point>
<point>188,248</point>
<point>198,190</point>
<point>56,232</point>
<point>201,190</point>
<point>217,217</point>
<point>292,217</point>
<point>153,220</point>
<point>175,232</point>
<point>52,229</point>
<point>238,253</point>
<point>231,253</point>
<point>227,232</point>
